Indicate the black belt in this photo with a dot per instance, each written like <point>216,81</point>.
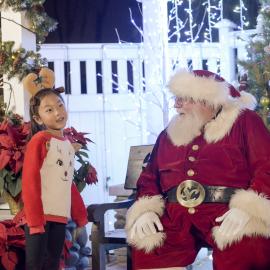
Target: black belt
<point>213,194</point>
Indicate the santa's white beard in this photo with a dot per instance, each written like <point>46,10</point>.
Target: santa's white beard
<point>183,128</point>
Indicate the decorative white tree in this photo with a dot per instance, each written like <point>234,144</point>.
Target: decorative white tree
<point>163,22</point>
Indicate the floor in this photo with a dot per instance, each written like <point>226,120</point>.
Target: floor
<point>203,262</point>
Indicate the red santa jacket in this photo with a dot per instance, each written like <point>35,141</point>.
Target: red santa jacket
<point>47,189</point>
<point>241,160</point>
<point>233,151</point>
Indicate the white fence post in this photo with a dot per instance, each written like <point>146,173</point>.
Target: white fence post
<point>227,57</point>
<point>11,31</point>
<point>155,37</point>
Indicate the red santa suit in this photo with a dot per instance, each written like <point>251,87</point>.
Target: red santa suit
<point>47,189</point>
<point>232,152</point>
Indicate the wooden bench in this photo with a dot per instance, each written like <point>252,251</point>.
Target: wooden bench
<point>103,241</point>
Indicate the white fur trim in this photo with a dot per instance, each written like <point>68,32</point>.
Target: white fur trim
<point>219,127</point>
<point>253,203</point>
<point>257,206</point>
<point>247,101</point>
<point>186,84</point>
<point>149,243</point>
<point>145,204</point>
<point>216,129</point>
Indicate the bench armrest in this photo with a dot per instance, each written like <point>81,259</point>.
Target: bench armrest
<point>96,211</point>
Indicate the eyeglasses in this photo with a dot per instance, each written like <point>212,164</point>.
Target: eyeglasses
<point>179,101</point>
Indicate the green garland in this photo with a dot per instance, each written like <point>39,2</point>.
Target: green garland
<point>40,22</point>
<point>18,63</point>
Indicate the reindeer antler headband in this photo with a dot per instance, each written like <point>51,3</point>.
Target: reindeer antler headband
<point>34,82</point>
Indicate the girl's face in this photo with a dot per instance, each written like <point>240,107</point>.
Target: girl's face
<point>52,114</point>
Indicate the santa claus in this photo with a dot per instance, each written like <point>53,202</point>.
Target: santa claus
<point>207,182</point>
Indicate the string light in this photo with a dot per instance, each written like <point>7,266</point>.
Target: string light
<point>214,14</point>
<point>241,9</point>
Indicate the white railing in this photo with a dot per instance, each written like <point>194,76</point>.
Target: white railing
<point>126,57</point>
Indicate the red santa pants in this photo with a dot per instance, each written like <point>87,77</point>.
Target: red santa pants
<point>187,233</point>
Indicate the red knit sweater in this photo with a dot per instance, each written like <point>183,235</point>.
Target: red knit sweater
<point>47,189</point>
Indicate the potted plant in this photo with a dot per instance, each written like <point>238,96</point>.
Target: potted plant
<point>13,139</point>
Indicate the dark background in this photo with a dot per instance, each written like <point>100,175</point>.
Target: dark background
<point>94,21</point>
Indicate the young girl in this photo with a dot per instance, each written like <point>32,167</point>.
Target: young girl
<point>49,195</point>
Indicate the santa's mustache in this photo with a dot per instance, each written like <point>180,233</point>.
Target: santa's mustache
<point>185,126</point>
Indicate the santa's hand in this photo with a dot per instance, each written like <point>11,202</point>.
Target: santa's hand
<point>233,221</point>
<point>147,224</point>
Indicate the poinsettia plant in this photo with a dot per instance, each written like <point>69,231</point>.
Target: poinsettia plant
<point>13,140</point>
<point>86,174</point>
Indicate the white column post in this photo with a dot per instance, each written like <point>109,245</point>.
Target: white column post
<point>155,38</point>
<point>227,57</point>
<point>11,31</point>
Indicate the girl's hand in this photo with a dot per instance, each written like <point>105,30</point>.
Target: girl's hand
<point>76,146</point>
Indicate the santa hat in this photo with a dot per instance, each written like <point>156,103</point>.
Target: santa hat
<point>204,85</point>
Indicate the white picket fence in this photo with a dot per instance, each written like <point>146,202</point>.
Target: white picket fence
<point>107,94</point>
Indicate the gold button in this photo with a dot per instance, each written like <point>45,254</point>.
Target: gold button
<point>191,158</point>
<point>191,210</point>
<point>195,147</point>
<point>190,172</point>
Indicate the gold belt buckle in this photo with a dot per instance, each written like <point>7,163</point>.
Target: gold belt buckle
<point>190,194</point>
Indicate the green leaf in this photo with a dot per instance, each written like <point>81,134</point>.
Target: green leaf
<point>82,171</point>
<point>84,147</point>
<point>2,183</point>
<point>84,154</point>
<point>80,186</point>
<point>3,173</point>
<point>8,178</point>
<point>15,187</point>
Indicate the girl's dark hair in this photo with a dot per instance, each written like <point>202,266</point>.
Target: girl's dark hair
<point>34,106</point>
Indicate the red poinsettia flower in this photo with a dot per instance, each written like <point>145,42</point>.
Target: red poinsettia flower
<point>76,137</point>
<point>91,177</point>
<point>12,243</point>
<point>12,144</point>
<point>86,173</point>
